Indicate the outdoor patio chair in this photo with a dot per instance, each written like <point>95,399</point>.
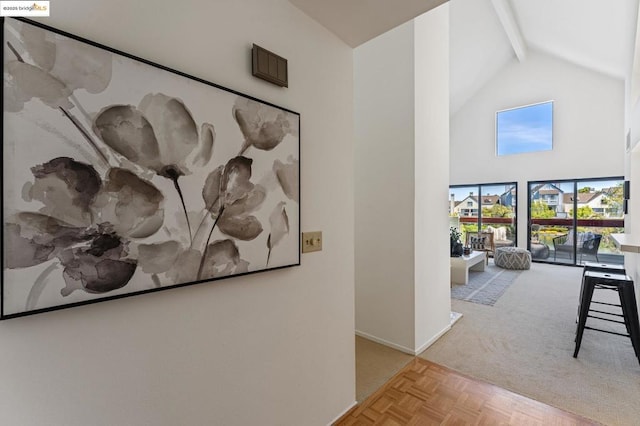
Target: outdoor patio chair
<point>590,246</point>
<point>500,236</point>
<point>481,241</point>
<point>563,244</point>
<point>587,244</point>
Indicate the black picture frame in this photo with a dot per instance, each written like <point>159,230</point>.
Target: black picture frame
<point>124,177</point>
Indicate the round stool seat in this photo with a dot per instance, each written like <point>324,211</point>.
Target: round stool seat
<point>604,267</point>
<point>512,258</point>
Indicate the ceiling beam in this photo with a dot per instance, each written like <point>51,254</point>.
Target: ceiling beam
<point>508,21</point>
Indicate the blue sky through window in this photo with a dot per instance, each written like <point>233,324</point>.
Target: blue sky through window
<point>525,129</point>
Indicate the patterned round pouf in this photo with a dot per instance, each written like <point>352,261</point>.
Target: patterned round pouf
<point>512,258</point>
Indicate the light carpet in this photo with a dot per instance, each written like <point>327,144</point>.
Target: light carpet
<point>486,286</point>
<point>525,343</point>
<point>375,364</point>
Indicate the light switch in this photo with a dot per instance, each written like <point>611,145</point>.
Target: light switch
<point>311,241</point>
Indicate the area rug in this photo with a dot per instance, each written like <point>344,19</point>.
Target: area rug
<point>485,287</point>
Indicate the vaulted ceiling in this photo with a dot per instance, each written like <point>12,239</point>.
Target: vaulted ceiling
<point>488,34</point>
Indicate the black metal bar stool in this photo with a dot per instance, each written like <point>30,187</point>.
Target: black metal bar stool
<point>604,267</point>
<point>599,267</point>
<point>624,286</point>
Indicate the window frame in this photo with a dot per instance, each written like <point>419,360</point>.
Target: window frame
<point>479,187</point>
<point>575,223</point>
<point>497,150</point>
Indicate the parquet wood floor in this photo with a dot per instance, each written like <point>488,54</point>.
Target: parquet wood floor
<point>424,393</point>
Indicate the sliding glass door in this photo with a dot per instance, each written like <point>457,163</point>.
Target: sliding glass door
<point>486,207</point>
<point>570,221</point>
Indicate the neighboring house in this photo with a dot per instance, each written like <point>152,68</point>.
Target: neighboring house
<point>612,201</point>
<point>598,201</point>
<point>598,204</point>
<point>509,198</point>
<point>469,205</point>
<point>583,199</point>
<point>489,201</point>
<point>550,194</point>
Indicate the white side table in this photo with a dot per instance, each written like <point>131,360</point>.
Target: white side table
<point>460,266</point>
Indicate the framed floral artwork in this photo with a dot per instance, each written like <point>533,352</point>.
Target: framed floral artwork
<point>124,177</point>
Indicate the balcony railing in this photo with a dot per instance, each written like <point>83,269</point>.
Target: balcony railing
<point>548,229</point>
<point>486,220</point>
<point>556,221</point>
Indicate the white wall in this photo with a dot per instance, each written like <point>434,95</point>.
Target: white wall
<point>432,272</point>
<point>384,187</point>
<point>588,128</point>
<point>632,219</point>
<point>632,160</point>
<point>274,348</point>
<point>633,124</point>
<point>401,121</point>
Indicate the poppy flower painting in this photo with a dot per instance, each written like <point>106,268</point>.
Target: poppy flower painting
<point>124,177</point>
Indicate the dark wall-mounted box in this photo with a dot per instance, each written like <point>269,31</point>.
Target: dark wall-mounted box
<point>627,190</point>
<point>269,66</point>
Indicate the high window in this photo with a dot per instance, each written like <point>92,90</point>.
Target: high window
<point>524,129</point>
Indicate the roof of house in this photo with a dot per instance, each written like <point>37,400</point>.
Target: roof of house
<point>472,197</point>
<point>549,191</point>
<point>487,200</point>
<point>490,199</point>
<point>583,197</point>
<point>545,189</point>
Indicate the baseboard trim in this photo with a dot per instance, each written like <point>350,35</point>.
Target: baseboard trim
<point>432,340</point>
<point>404,349</point>
<point>344,413</point>
<point>385,342</point>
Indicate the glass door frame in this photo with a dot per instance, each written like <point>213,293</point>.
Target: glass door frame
<point>479,187</point>
<point>574,218</point>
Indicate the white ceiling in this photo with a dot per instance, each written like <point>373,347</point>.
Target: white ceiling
<point>479,48</point>
<point>357,21</point>
<point>597,34</point>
